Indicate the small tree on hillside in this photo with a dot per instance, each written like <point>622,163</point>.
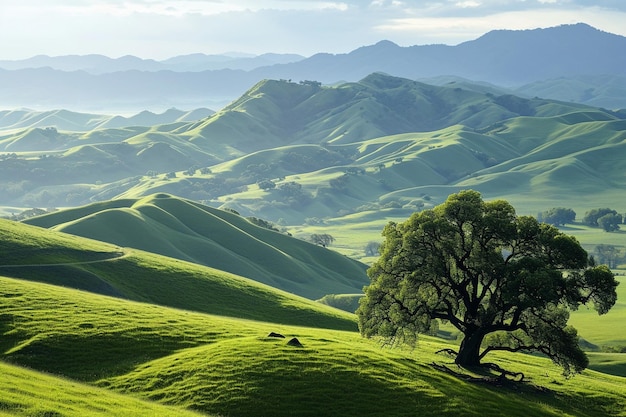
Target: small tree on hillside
<point>505,282</point>
<point>372,249</point>
<point>322,239</point>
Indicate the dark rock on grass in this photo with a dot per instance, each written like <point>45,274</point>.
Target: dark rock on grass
<point>295,342</point>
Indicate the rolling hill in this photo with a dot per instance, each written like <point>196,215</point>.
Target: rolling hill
<point>37,254</point>
<point>196,233</point>
<point>225,366</point>
<point>328,157</point>
<point>30,393</point>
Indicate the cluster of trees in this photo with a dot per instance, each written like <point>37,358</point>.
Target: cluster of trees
<point>266,185</point>
<point>293,194</point>
<point>262,223</point>
<point>25,214</point>
<point>606,218</point>
<point>506,282</point>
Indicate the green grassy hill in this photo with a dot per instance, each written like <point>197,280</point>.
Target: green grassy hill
<point>193,232</point>
<point>29,393</point>
<point>353,150</point>
<point>277,113</point>
<point>224,366</point>
<point>43,255</point>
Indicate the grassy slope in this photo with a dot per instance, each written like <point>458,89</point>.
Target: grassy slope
<point>60,259</point>
<point>30,393</point>
<point>185,230</point>
<point>229,367</point>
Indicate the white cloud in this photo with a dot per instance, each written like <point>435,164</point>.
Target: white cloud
<point>468,4</point>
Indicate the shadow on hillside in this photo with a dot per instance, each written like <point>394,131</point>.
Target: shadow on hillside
<point>90,356</point>
<point>6,325</point>
<point>66,275</point>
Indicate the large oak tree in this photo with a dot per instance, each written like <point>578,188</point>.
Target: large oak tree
<point>506,282</point>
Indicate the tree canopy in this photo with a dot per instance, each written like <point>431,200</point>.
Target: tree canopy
<point>559,216</point>
<point>610,222</point>
<point>592,216</point>
<point>322,239</point>
<point>506,282</point>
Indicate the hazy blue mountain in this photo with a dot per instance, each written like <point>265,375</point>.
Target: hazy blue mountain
<point>100,64</point>
<point>503,57</point>
<point>93,63</point>
<point>605,90</point>
<point>203,62</point>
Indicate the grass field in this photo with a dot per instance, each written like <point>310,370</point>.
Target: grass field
<point>29,393</point>
<point>227,366</point>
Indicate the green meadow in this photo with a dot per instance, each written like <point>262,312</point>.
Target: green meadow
<point>218,365</point>
<point>30,393</point>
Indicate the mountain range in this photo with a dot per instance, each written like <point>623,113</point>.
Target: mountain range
<point>73,121</point>
<point>100,64</point>
<point>569,62</point>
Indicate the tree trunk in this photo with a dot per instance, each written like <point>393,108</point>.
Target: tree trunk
<point>469,352</point>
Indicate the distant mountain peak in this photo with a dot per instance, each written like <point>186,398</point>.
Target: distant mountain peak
<point>386,44</point>
<point>582,29</point>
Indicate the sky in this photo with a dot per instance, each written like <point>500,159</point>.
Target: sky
<point>159,29</point>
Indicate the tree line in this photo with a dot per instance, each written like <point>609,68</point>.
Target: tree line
<point>608,219</point>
